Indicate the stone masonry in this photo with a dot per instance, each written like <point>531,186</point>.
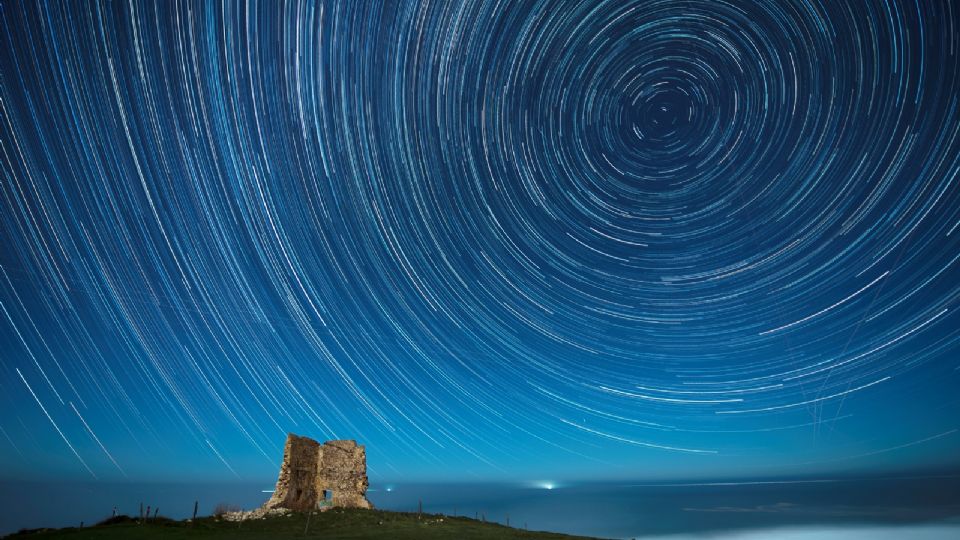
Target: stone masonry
<point>310,470</point>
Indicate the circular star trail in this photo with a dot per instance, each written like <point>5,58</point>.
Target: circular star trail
<point>490,237</point>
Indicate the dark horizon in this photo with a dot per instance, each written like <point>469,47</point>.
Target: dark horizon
<point>838,475</point>
<point>826,509</point>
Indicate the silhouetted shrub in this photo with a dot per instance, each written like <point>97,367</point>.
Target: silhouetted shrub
<point>116,520</point>
<point>223,508</point>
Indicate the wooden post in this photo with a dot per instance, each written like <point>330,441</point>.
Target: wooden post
<point>195,505</point>
<point>419,507</point>
<point>141,512</point>
<point>508,520</point>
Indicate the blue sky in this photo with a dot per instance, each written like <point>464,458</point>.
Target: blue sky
<point>514,240</point>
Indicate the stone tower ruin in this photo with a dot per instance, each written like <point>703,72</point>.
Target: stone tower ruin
<point>315,475</point>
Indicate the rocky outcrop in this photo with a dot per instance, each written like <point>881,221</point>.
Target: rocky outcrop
<point>315,475</point>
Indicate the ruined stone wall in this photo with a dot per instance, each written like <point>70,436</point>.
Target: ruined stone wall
<point>343,469</point>
<point>296,486</point>
<point>309,468</point>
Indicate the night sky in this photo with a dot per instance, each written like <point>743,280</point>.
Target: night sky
<point>525,241</point>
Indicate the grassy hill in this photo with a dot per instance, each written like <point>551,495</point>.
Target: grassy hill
<point>338,523</point>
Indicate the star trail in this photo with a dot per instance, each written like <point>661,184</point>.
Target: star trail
<point>488,239</point>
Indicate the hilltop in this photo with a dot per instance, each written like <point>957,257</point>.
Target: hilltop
<point>336,523</point>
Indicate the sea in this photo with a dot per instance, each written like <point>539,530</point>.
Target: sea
<point>920,507</point>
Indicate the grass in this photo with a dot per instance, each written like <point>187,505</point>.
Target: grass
<point>338,523</point>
